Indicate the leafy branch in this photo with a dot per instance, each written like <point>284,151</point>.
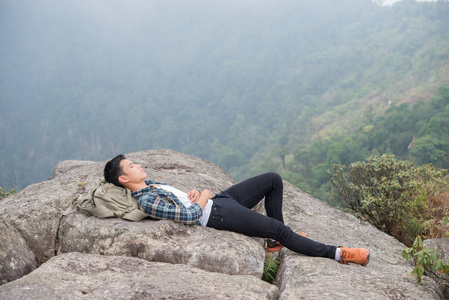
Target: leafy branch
<point>426,260</point>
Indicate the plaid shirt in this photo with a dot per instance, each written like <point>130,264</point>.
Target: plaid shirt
<point>161,204</point>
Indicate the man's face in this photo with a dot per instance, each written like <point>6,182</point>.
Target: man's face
<point>132,172</point>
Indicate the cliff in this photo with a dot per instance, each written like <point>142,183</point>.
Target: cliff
<point>44,254</point>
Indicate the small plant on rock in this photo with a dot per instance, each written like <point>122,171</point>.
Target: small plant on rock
<point>270,269</point>
<point>426,261</point>
<point>4,194</point>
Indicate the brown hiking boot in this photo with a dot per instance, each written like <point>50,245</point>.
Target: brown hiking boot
<point>273,246</point>
<point>354,255</point>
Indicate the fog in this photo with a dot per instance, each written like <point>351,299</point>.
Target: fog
<point>223,80</point>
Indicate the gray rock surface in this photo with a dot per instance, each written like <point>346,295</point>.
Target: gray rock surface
<point>163,241</point>
<point>36,214</point>
<point>387,276</point>
<point>442,248</point>
<point>89,276</point>
<point>442,245</point>
<point>15,256</point>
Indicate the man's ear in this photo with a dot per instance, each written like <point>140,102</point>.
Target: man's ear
<point>123,179</point>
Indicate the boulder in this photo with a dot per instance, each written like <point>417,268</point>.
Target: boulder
<point>89,276</point>
<point>387,276</point>
<point>16,258</point>
<point>37,210</point>
<point>163,241</point>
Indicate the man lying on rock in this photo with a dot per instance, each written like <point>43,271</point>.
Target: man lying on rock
<point>228,210</point>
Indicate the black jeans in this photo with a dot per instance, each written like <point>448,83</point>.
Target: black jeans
<point>231,211</point>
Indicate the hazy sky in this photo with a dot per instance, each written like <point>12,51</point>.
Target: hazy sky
<point>390,2</point>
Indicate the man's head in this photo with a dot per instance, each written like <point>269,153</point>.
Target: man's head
<point>123,172</point>
<point>113,170</point>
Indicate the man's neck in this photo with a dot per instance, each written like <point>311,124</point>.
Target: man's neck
<point>137,186</point>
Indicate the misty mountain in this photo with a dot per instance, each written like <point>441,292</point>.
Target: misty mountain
<point>234,82</point>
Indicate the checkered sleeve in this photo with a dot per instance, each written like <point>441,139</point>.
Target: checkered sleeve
<point>158,208</point>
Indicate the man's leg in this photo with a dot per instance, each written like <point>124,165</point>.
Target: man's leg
<point>251,191</point>
<point>228,214</point>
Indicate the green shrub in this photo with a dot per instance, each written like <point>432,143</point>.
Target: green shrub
<point>392,195</point>
<point>4,194</point>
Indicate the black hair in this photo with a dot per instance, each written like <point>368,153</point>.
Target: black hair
<point>113,170</point>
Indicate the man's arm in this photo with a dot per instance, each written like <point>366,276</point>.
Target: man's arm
<point>201,198</point>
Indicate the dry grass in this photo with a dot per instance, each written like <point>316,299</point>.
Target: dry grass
<point>439,208</point>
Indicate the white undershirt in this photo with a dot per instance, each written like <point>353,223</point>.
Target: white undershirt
<point>186,201</point>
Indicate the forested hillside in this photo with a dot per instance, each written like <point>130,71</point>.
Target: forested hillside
<point>418,133</point>
<point>291,86</point>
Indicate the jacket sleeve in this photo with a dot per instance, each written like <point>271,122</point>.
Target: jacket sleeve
<point>158,208</point>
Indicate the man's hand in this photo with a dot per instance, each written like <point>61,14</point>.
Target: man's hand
<point>207,193</point>
<point>193,195</point>
<point>201,198</point>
